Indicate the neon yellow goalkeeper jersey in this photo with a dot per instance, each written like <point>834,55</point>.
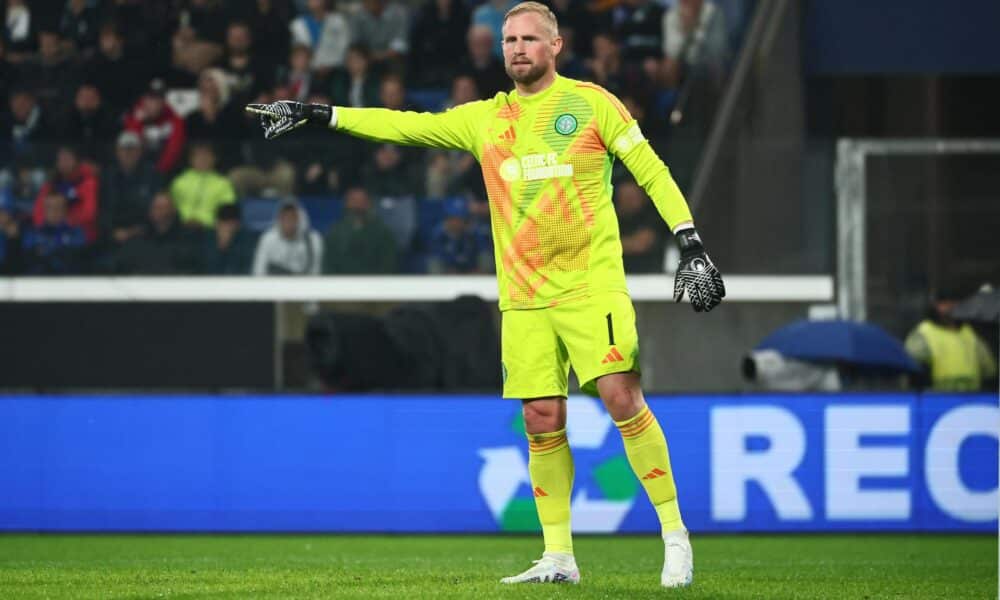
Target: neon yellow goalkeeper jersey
<point>546,160</point>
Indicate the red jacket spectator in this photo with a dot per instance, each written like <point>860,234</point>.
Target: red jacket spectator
<point>78,183</point>
<point>160,128</point>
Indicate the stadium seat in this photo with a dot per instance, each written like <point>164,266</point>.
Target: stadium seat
<point>431,99</point>
<point>323,211</point>
<point>258,213</point>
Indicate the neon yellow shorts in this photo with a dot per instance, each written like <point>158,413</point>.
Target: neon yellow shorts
<point>595,335</point>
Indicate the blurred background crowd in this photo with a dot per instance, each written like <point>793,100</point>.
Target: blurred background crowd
<point>126,149</point>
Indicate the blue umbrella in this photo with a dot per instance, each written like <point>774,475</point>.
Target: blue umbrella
<point>848,342</point>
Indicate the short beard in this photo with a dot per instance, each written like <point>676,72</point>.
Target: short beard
<point>534,73</point>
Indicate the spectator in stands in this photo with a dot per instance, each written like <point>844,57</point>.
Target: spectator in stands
<point>290,246</point>
<point>490,15</point>
<point>568,62</point>
<point>249,73</point>
<point>161,129</point>
<point>90,124</point>
<point>694,39</point>
<point>147,30</point>
<point>163,248</point>
<point>436,39</point>
<point>10,238</point>
<point>269,25</point>
<point>608,69</point>
<point>80,24</point>
<point>955,359</point>
<point>8,72</point>
<point>25,129</point>
<point>643,235</point>
<point>120,76</point>
<point>298,77</point>
<point>19,30</point>
<point>229,249</point>
<point>576,17</point>
<point>54,246</point>
<point>218,118</point>
<point>393,181</point>
<point>392,93</point>
<point>456,245</point>
<point>359,243</point>
<point>51,75</point>
<point>482,63</point>
<point>200,190</point>
<point>638,24</point>
<point>127,191</point>
<point>326,31</point>
<point>455,172</point>
<point>199,36</point>
<point>354,85</point>
<point>77,183</point>
<point>384,25</point>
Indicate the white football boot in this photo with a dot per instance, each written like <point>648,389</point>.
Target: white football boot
<point>678,560</point>
<point>551,568</point>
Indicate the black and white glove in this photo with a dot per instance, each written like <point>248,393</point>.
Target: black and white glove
<point>696,274</point>
<point>280,117</point>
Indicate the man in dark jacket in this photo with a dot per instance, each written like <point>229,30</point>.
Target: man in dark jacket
<point>127,191</point>
<point>164,248</point>
<point>229,248</point>
<point>360,243</point>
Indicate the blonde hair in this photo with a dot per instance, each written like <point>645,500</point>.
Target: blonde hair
<point>548,17</point>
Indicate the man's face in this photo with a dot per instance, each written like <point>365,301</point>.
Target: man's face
<point>463,90</point>
<point>387,157</point>
<point>529,49</point>
<point>480,43</point>
<point>238,38</point>
<point>55,209</point>
<point>300,59</point>
<point>392,94</point>
<point>128,156</point>
<point>110,43</point>
<point>316,6</point>
<point>21,105</point>
<point>356,63</point>
<point>88,99</point>
<point>161,211</point>
<point>66,163</point>
<point>48,46</point>
<point>629,199</point>
<point>152,105</point>
<point>357,202</point>
<point>202,159</point>
<point>288,222</point>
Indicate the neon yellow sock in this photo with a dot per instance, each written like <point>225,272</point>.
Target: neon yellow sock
<point>550,465</point>
<point>647,452</point>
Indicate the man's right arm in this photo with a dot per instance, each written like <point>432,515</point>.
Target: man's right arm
<point>451,129</point>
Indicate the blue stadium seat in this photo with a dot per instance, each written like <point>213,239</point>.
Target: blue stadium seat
<point>323,211</point>
<point>258,213</point>
<point>431,99</point>
<point>430,215</point>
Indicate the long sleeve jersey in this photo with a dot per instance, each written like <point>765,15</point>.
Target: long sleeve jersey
<point>546,161</point>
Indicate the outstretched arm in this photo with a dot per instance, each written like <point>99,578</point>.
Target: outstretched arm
<point>452,129</point>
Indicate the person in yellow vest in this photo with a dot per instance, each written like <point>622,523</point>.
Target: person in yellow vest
<point>200,190</point>
<point>956,358</point>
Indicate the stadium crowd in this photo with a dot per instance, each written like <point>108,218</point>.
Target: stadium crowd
<point>126,149</point>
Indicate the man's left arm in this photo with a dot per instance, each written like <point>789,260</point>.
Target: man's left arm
<point>696,274</point>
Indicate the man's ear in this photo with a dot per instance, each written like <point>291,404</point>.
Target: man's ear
<point>557,44</point>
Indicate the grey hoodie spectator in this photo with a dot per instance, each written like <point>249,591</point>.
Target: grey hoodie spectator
<point>325,31</point>
<point>290,246</point>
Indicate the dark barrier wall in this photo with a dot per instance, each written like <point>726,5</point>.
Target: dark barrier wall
<point>142,345</point>
<point>458,464</point>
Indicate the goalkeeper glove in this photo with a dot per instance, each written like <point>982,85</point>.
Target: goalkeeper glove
<point>280,117</point>
<point>696,274</point>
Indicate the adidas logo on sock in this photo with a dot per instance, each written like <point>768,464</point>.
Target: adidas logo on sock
<point>654,474</point>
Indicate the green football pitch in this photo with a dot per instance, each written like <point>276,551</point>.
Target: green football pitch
<point>318,566</point>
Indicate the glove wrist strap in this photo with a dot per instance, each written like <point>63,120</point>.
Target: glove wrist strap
<point>318,114</point>
<point>689,242</point>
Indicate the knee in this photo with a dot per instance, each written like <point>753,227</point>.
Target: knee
<point>543,417</point>
<point>622,403</point>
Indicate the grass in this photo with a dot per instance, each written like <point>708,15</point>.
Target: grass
<point>313,566</point>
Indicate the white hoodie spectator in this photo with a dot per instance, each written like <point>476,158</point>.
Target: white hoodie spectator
<point>290,246</point>
<point>325,31</point>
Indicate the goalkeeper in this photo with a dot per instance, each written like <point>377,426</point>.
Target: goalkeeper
<point>546,150</point>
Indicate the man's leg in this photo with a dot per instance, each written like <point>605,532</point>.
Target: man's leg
<point>550,465</point>
<point>646,448</point>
